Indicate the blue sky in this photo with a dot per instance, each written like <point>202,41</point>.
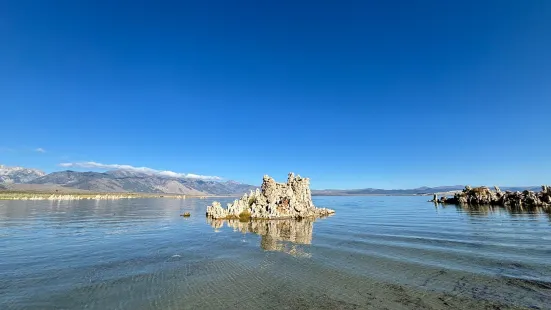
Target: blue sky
<point>387,94</point>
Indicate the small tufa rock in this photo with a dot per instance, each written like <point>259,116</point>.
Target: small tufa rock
<point>216,211</point>
<point>273,201</point>
<point>186,214</point>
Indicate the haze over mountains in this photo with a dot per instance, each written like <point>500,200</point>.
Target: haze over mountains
<point>137,181</point>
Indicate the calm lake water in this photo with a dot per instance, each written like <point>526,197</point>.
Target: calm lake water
<point>375,252</point>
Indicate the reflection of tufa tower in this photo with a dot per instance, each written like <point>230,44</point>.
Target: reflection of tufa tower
<point>274,233</point>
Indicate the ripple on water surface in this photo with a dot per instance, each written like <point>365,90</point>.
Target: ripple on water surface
<point>375,252</point>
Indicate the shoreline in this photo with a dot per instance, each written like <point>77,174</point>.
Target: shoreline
<point>45,195</point>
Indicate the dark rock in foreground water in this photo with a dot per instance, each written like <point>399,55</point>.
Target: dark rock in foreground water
<point>484,196</point>
<point>275,201</point>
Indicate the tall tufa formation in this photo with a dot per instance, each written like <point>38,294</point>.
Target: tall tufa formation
<point>273,201</point>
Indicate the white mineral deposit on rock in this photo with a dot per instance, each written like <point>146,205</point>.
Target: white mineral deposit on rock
<point>273,201</point>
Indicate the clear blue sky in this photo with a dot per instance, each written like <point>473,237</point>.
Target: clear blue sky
<point>388,94</point>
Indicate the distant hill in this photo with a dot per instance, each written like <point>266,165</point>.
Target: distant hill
<point>414,191</point>
<point>11,175</point>
<point>378,191</point>
<point>131,181</point>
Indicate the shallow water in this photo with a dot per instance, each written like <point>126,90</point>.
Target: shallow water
<point>375,252</point>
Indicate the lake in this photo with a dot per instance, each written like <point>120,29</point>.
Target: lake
<point>375,252</point>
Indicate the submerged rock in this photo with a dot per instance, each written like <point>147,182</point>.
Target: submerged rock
<point>273,201</point>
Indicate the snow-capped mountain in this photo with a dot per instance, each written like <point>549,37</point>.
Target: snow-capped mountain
<point>19,174</point>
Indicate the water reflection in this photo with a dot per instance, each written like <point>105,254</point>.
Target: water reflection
<point>485,210</point>
<point>288,236</point>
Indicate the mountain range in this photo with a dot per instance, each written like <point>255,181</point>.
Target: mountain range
<point>10,175</point>
<point>116,181</point>
<point>137,181</point>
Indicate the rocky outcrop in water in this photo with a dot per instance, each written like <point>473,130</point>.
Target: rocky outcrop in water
<point>484,196</point>
<point>273,201</point>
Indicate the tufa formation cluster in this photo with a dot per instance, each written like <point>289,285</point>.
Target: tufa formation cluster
<point>484,196</point>
<point>273,201</point>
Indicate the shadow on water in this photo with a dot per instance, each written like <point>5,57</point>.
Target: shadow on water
<point>285,235</point>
